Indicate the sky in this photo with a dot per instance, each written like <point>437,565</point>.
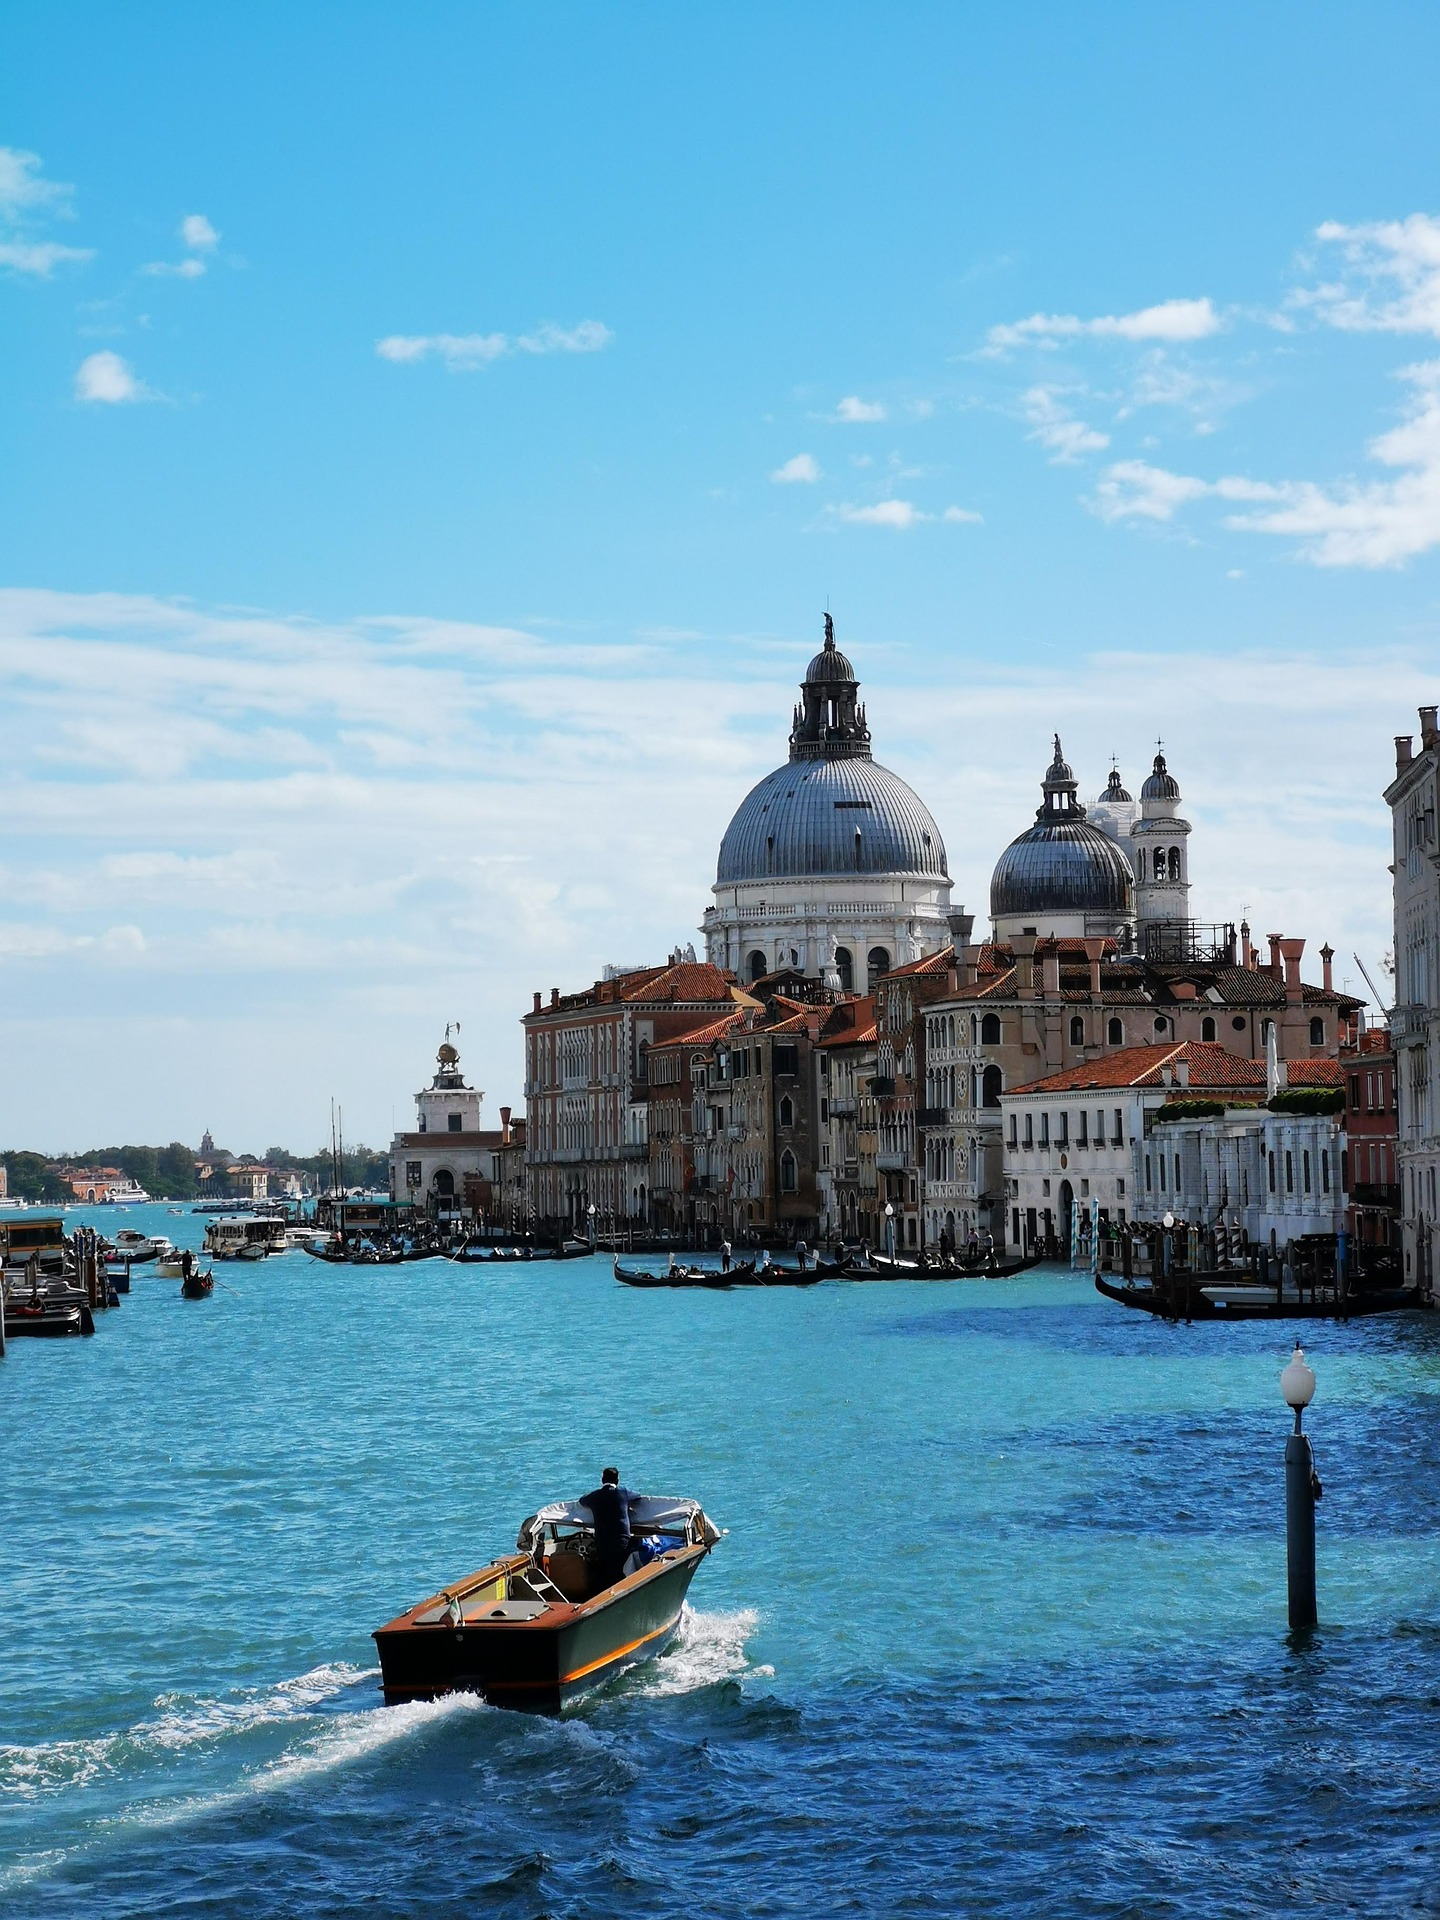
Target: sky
<point>432,436</point>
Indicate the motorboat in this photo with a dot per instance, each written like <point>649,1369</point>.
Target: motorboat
<point>245,1236</point>
<point>130,1244</point>
<point>533,1630</point>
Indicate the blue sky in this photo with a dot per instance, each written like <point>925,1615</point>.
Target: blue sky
<point>433,433</point>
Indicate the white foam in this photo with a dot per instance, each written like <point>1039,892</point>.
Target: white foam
<point>58,1764</point>
<point>707,1648</point>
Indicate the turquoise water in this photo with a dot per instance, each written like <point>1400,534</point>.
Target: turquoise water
<point>998,1626</point>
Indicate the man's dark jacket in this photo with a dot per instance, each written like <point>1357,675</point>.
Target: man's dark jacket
<point>610,1510</point>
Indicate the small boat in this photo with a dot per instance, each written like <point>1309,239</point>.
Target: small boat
<point>197,1286</point>
<point>470,1255</point>
<point>46,1310</point>
<point>532,1630</point>
<point>740,1274</point>
<point>1215,1296</point>
<point>130,1244</point>
<point>170,1266</point>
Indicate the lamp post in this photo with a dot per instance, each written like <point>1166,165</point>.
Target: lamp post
<point>590,1214</point>
<point>1302,1490</point>
<point>890,1228</point>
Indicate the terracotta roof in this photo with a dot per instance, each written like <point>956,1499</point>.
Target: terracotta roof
<point>940,962</point>
<point>691,980</point>
<point>1211,1067</point>
<point>701,1036</point>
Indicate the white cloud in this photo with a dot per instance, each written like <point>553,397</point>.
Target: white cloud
<point>198,234</point>
<point>1394,281</point>
<point>853,411</point>
<point>963,516</point>
<point>106,377</point>
<point>884,513</point>
<point>802,468</point>
<point>175,269</point>
<point>1381,524</point>
<point>1055,427</point>
<point>25,198</point>
<point>1171,320</point>
<point>463,352</point>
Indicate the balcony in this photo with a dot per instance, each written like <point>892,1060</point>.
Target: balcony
<point>848,1173</point>
<point>1409,1024</point>
<point>845,1107</point>
<point>891,1162</point>
<point>634,1150</point>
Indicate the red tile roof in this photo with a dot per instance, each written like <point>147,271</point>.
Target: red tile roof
<point>1211,1067</point>
<point>691,980</point>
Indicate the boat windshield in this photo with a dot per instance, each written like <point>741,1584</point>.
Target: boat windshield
<point>649,1513</point>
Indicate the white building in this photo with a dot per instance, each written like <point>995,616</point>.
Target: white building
<point>831,866</point>
<point>449,1163</point>
<point>1414,801</point>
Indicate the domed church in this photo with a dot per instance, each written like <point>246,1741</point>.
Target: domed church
<point>1063,876</point>
<point>832,866</point>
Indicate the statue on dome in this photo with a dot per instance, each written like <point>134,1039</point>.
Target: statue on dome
<point>829,631</point>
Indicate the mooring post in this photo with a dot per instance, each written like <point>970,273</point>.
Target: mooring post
<point>1302,1490</point>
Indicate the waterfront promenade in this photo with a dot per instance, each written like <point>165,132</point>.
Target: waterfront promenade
<point>998,1627</point>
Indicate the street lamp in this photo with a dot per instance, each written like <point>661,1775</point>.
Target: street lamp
<point>1302,1490</point>
<point>590,1211</point>
<point>890,1227</point>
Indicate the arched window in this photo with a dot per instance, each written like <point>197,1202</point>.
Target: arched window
<point>1077,1032</point>
<point>1161,1023</point>
<point>787,1172</point>
<point>1174,863</point>
<point>974,1029</point>
<point>1140,864</point>
<point>990,1030</point>
<point>845,967</point>
<point>1267,1027</point>
<point>1115,1034</point>
<point>1317,1032</point>
<point>1207,1027</point>
<point>755,965</point>
<point>990,1087</point>
<point>877,965</point>
<point>444,1184</point>
<point>787,1112</point>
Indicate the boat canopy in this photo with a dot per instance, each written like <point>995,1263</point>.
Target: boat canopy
<point>649,1513</point>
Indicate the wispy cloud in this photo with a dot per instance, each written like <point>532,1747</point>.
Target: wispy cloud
<point>27,198</point>
<point>853,411</point>
<point>900,514</point>
<point>1393,280</point>
<point>963,516</point>
<point>464,352</point>
<point>802,468</point>
<point>1053,425</point>
<point>200,237</point>
<point>107,378</point>
<point>198,234</point>
<point>1171,320</point>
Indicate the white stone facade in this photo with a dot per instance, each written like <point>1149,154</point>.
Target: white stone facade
<point>1414,800</point>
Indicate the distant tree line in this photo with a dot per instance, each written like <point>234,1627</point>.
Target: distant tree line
<point>168,1173</point>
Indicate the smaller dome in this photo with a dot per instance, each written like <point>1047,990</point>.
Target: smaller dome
<point>1113,791</point>
<point>1162,784</point>
<point>1058,773</point>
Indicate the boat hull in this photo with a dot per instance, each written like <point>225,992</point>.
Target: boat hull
<point>1179,1302</point>
<point>539,1665</point>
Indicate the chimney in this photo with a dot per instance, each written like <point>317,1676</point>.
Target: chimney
<point>504,1126</point>
<point>1023,945</point>
<point>1292,950</point>
<point>1276,970</point>
<point>1050,970</point>
<point>554,996</point>
<point>1428,736</point>
<point>961,925</point>
<point>1182,1073</point>
<point>1402,752</point>
<point>1093,951</point>
<point>537,1000</point>
<point>1247,952</point>
<point>1327,955</point>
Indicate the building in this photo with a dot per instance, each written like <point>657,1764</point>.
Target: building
<point>449,1163</point>
<point>831,866</point>
<point>1120,1134</point>
<point>587,1087</point>
<point>847,1179</point>
<point>1372,1127</point>
<point>1413,797</point>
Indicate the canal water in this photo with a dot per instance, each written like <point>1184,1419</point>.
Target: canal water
<point>998,1627</point>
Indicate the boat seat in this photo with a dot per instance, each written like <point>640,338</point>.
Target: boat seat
<point>479,1610</point>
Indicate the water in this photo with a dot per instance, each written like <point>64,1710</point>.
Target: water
<point>998,1627</point>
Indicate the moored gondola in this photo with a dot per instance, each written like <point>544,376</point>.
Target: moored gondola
<point>1222,1295</point>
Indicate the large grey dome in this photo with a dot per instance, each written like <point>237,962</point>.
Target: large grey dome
<point>815,817</point>
<point>1061,866</point>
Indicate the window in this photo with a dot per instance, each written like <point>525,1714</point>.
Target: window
<point>1062,1137</point>
<point>1174,863</point>
<point>1161,1158</point>
<point>1305,1168</point>
<point>990,1087</point>
<point>785,1058</point>
<point>990,1030</point>
<point>1177,1173</point>
<point>787,1112</point>
<point>423,1127</point>
<point>1355,1093</point>
<point>877,965</point>
<point>1271,1158</point>
<point>1082,1129</point>
<point>1115,1034</point>
<point>1324,1170</point>
<point>845,967</point>
<point>454,1121</point>
<point>787,1172</point>
<point>1317,1032</point>
<point>1161,1023</point>
<point>1077,1032</point>
<point>1237,1021</point>
<point>1149,1183</point>
<point>1117,1138</point>
<point>974,1029</point>
<point>1013,1140</point>
<point>1267,1027</point>
<point>1120,1186</point>
<point>412,1173</point>
<point>1029,1130</point>
<point>1207,1027</point>
<point>1044,1129</point>
<point>755,965</point>
<point>1140,865</point>
<point>1289,1171</point>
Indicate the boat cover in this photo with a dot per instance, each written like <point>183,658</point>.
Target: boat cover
<point>649,1513</point>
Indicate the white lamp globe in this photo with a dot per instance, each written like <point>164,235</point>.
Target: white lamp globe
<point>889,1211</point>
<point>1169,1220</point>
<point>1297,1382</point>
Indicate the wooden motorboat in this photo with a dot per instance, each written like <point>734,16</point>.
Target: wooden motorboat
<point>1218,1295</point>
<point>197,1286</point>
<point>531,1630</point>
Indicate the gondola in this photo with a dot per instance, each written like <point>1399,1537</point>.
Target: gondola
<point>708,1277</point>
<point>1230,1295</point>
<point>197,1286</point>
<point>534,1629</point>
<point>468,1256</point>
<point>880,1267</point>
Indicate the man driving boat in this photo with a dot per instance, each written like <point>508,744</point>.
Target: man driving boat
<point>610,1511</point>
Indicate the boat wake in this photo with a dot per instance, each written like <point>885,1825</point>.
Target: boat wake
<point>708,1648</point>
